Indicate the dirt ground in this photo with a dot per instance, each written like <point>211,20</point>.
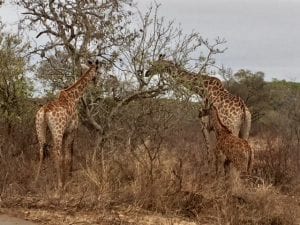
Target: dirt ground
<point>42,212</point>
<point>40,215</point>
<point>9,220</point>
<point>63,217</point>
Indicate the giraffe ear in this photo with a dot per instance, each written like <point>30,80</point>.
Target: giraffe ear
<point>84,67</point>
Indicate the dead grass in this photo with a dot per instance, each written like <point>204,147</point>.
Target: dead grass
<point>167,183</point>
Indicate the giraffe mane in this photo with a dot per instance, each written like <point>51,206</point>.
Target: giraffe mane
<point>81,78</point>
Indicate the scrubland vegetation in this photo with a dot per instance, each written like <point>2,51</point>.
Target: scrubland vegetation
<point>139,154</point>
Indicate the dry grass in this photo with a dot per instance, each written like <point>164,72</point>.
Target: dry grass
<point>166,180</point>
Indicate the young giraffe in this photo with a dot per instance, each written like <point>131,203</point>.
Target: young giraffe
<point>232,110</point>
<point>236,151</point>
<point>61,117</point>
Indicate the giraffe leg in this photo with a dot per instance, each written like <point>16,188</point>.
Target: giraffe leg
<point>221,161</point>
<point>246,125</point>
<point>58,160</point>
<point>68,150</point>
<point>217,161</point>
<point>227,166</point>
<point>217,164</point>
<point>69,138</point>
<point>209,139</point>
<point>41,127</point>
<point>250,160</point>
<point>57,127</point>
<point>203,115</point>
<point>206,134</point>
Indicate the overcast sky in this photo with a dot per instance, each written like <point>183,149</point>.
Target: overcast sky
<point>262,35</point>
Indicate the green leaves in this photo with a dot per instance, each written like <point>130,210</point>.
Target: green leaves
<point>15,88</point>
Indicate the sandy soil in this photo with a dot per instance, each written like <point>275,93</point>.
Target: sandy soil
<point>44,213</point>
<point>8,220</point>
<point>48,217</point>
<point>63,217</point>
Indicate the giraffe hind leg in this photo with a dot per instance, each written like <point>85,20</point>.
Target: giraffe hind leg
<point>46,150</point>
<point>57,150</point>
<point>245,126</point>
<point>41,127</point>
<point>58,160</point>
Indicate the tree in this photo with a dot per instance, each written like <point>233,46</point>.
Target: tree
<point>77,30</point>
<point>253,89</point>
<point>15,87</point>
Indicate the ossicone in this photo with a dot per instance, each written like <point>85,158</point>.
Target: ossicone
<point>161,56</point>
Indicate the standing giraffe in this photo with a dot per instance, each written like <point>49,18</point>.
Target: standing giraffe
<point>233,112</point>
<point>236,151</point>
<point>61,117</point>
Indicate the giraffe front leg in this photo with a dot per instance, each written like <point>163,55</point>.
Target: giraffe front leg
<point>217,161</point>
<point>220,161</point>
<point>68,150</point>
<point>69,138</point>
<point>204,108</point>
<point>207,135</point>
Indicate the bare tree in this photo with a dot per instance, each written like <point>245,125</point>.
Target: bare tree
<point>79,28</point>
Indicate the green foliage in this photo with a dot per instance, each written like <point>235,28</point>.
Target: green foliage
<point>253,89</point>
<point>274,105</point>
<point>286,106</point>
<point>15,88</point>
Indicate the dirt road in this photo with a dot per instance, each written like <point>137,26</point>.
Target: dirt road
<point>7,220</point>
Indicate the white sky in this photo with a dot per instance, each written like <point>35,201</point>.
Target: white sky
<point>262,35</point>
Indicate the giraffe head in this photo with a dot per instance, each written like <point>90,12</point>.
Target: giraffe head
<point>93,67</point>
<point>160,66</point>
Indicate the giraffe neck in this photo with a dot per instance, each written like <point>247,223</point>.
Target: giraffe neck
<point>76,91</point>
<point>204,85</point>
<point>217,123</point>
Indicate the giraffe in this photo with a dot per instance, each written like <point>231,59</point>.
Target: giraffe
<point>229,149</point>
<point>61,117</point>
<point>232,110</point>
